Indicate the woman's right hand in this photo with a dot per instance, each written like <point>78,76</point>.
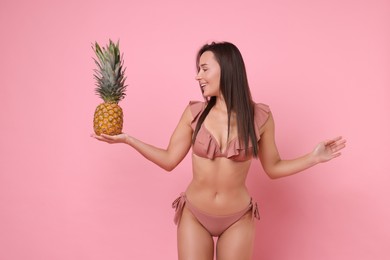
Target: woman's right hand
<point>111,139</point>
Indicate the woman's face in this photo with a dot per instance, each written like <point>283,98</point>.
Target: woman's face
<point>209,75</point>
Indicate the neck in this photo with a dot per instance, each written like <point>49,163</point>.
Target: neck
<point>220,104</point>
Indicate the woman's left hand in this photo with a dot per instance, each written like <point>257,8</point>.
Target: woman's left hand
<point>329,149</point>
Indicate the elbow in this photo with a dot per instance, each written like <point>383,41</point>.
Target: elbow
<point>169,167</point>
<point>170,163</point>
<point>273,175</point>
<point>165,163</point>
<point>273,170</point>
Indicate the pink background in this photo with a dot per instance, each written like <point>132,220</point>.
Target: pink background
<point>322,66</point>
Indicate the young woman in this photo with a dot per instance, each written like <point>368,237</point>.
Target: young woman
<point>225,133</point>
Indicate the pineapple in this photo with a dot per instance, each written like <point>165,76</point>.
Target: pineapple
<point>110,86</point>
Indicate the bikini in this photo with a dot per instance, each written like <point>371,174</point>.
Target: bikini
<point>206,146</point>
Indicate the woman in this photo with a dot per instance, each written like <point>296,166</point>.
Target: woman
<point>225,132</point>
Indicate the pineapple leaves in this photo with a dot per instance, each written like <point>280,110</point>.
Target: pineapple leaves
<point>109,75</point>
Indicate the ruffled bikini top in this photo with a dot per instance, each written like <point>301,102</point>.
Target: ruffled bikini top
<point>207,146</point>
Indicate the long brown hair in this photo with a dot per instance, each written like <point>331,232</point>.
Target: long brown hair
<point>234,89</point>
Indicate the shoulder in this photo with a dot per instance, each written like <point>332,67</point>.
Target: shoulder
<point>260,107</point>
<point>261,113</point>
<point>196,107</point>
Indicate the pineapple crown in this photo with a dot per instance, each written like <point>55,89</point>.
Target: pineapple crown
<point>109,76</point>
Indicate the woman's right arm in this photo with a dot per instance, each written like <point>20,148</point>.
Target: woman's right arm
<point>168,158</point>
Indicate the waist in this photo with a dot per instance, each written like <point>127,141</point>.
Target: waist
<point>218,202</point>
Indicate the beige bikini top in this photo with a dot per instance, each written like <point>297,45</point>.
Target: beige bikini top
<point>207,146</point>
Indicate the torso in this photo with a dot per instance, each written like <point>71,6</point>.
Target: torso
<point>218,183</point>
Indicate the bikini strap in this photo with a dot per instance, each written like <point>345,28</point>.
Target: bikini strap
<point>178,205</point>
<point>255,211</point>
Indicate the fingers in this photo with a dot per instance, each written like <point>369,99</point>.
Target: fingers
<point>334,146</point>
<point>337,138</point>
<point>111,139</point>
<point>336,155</point>
<point>336,143</point>
<point>337,147</point>
<point>340,145</point>
<point>103,138</point>
<point>334,140</point>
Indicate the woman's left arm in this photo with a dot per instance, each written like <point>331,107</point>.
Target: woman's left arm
<point>275,167</point>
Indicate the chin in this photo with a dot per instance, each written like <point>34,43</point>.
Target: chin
<point>209,95</point>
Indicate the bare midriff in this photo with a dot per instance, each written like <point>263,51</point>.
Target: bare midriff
<point>218,185</point>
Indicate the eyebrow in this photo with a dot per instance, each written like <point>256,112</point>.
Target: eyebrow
<point>203,64</point>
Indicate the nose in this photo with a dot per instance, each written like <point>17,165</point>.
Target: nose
<point>198,76</point>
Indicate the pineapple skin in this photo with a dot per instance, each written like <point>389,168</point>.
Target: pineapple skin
<point>108,119</point>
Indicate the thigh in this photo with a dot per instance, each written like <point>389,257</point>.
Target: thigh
<point>237,241</point>
<point>193,240</point>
